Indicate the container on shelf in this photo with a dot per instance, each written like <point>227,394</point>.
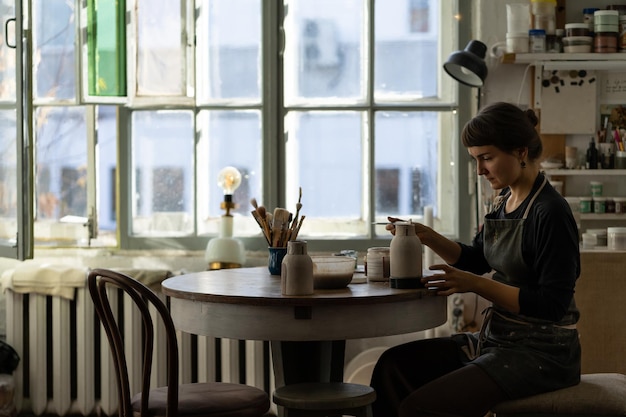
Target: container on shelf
<point>605,17</point>
<point>620,160</point>
<point>517,17</point>
<point>585,205</point>
<point>577,29</point>
<point>616,238</point>
<point>517,42</point>
<point>600,235</point>
<point>605,42</point>
<point>596,188</point>
<point>588,16</point>
<point>577,44</point>
<point>610,205</point>
<point>620,205</point>
<point>544,15</point>
<point>537,41</point>
<point>599,205</point>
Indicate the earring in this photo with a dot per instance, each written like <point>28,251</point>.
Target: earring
<point>523,164</point>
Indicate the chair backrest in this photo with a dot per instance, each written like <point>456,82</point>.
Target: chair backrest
<point>142,297</point>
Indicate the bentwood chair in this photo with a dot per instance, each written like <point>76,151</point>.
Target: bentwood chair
<point>597,395</point>
<point>212,399</point>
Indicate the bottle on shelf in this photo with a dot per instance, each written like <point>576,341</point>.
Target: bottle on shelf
<point>592,155</point>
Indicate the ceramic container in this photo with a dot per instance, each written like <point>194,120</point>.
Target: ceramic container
<point>406,257</point>
<point>296,276</point>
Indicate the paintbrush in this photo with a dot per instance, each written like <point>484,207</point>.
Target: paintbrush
<point>280,222</point>
<point>294,235</point>
<point>265,222</point>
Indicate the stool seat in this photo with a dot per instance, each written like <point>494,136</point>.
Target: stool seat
<point>311,399</point>
<point>602,394</point>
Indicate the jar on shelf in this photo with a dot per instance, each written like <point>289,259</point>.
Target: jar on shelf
<point>599,205</point>
<point>610,205</point>
<point>585,205</point>
<point>544,15</point>
<point>616,238</point>
<point>620,160</point>
<point>537,41</point>
<point>620,205</point>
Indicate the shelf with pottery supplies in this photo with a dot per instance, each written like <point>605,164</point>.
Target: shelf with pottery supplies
<point>590,60</point>
<point>585,172</point>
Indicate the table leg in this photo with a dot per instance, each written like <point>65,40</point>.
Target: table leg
<point>320,361</point>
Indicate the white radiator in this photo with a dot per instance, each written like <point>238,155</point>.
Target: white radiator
<point>66,366</point>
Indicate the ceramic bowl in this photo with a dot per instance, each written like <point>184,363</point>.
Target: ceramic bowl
<point>332,271</point>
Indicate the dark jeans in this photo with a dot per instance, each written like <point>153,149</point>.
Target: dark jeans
<point>428,378</point>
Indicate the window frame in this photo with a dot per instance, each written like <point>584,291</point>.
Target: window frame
<point>460,101</point>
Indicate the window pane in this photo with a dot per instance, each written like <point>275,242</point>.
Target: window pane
<point>324,157</point>
<point>54,49</point>
<point>163,172</point>
<point>160,57</point>
<point>407,60</point>
<point>106,47</point>
<point>411,163</point>
<point>60,174</point>
<point>7,55</point>
<point>229,138</point>
<point>324,55</point>
<point>8,176</point>
<point>229,50</point>
<point>105,177</point>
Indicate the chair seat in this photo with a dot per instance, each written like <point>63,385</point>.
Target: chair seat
<point>215,399</point>
<point>599,394</point>
<point>324,396</point>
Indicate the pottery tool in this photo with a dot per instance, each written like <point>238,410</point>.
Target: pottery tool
<point>294,221</point>
<point>265,224</point>
<point>294,235</point>
<point>280,223</point>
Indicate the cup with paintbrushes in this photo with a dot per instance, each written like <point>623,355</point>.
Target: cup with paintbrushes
<point>278,227</point>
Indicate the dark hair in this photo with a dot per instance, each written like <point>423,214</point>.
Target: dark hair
<point>505,126</point>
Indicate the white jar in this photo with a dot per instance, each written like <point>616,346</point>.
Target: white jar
<point>406,257</point>
<point>377,264</point>
<point>600,236</point>
<point>616,238</point>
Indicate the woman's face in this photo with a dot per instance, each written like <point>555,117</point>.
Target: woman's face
<point>500,168</point>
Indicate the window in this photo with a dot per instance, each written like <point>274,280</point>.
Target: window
<point>132,125</point>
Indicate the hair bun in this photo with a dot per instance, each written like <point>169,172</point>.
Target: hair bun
<point>532,117</point>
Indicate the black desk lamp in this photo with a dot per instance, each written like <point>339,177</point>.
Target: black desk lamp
<point>468,67</point>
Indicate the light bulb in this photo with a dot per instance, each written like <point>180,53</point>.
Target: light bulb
<point>229,179</point>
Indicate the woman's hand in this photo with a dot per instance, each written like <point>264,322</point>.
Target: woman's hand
<point>450,280</point>
<point>420,230</point>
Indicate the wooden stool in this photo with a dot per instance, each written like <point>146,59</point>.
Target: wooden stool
<point>321,399</point>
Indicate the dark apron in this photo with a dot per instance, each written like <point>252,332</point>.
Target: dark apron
<point>524,356</point>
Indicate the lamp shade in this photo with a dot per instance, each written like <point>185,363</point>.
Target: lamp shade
<point>468,66</point>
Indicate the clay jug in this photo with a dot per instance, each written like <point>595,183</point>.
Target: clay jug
<point>296,273</point>
<point>405,252</point>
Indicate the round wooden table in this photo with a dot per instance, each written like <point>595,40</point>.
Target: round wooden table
<point>247,304</point>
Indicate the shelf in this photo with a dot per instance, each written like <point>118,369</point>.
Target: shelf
<point>569,61</point>
<point>585,172</point>
<point>602,216</point>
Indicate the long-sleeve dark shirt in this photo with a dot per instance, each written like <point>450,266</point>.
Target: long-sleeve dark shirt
<point>550,249</point>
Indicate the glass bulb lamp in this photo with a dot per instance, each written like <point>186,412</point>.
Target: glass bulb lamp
<point>225,251</point>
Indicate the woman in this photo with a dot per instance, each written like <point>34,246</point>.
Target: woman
<point>528,343</point>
